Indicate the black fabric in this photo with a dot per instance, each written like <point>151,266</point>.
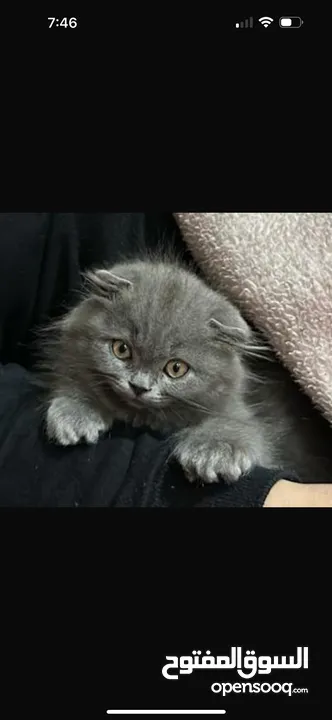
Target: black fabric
<point>41,257</point>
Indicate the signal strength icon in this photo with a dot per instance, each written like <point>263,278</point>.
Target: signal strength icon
<point>249,22</point>
<point>265,21</point>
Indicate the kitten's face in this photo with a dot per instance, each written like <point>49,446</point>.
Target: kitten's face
<point>151,340</point>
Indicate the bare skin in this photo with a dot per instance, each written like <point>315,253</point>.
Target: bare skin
<point>290,494</point>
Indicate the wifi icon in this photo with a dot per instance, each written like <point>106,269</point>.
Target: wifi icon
<point>265,21</point>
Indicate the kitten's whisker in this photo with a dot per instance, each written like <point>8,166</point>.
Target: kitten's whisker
<point>250,348</point>
<point>175,412</point>
<point>253,378</point>
<point>193,404</point>
<point>259,356</point>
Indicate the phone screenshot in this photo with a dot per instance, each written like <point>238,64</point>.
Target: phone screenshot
<point>165,362</point>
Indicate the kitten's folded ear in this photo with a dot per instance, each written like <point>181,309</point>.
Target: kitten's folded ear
<point>235,333</point>
<point>240,338</point>
<point>104,282</point>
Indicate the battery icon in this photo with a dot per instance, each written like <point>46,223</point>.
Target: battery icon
<point>290,22</point>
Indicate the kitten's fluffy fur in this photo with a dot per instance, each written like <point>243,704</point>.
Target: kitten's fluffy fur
<point>229,412</point>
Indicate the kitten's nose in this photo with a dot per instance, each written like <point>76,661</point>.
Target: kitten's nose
<point>138,389</point>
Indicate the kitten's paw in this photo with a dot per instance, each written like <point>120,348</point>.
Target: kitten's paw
<point>68,422</point>
<point>203,461</point>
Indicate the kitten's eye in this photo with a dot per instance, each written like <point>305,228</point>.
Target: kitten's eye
<point>121,350</point>
<point>176,368</point>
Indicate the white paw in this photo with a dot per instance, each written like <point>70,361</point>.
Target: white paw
<point>208,462</point>
<point>68,422</point>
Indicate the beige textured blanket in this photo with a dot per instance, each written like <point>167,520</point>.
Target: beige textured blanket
<point>277,268</point>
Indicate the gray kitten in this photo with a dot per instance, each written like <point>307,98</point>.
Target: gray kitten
<point>151,344</point>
